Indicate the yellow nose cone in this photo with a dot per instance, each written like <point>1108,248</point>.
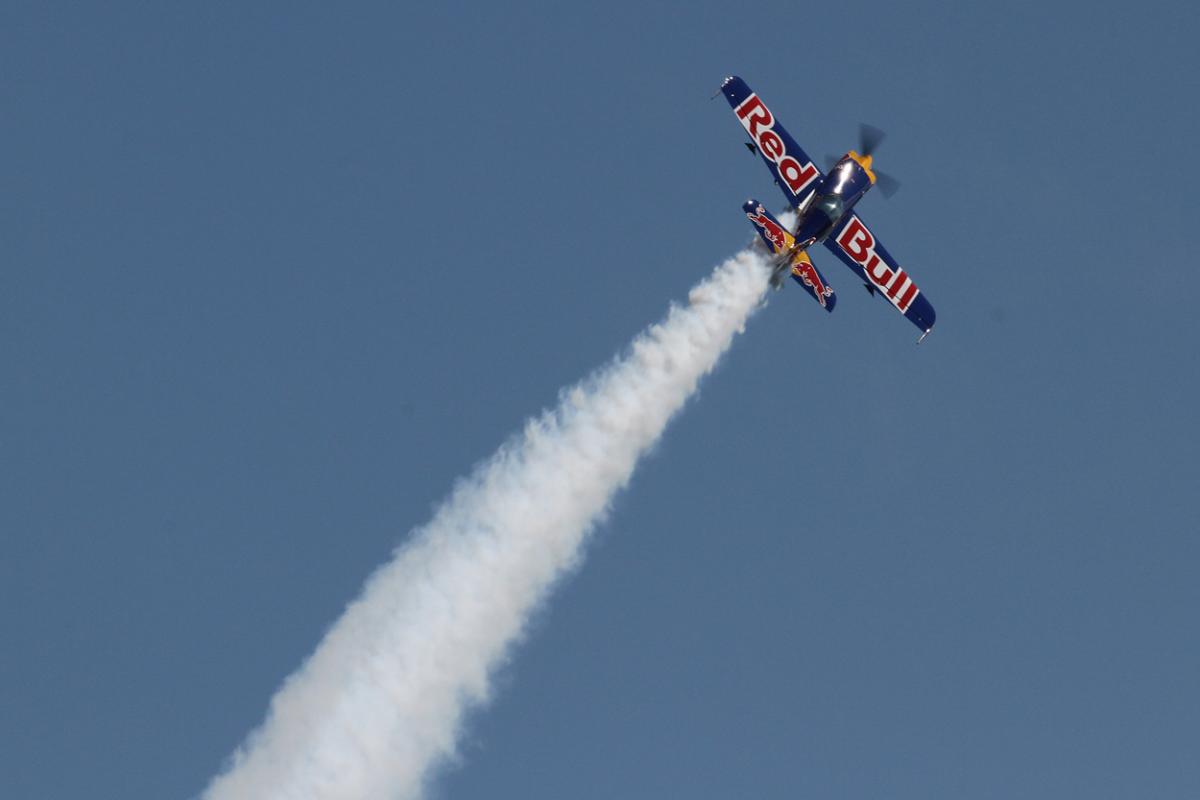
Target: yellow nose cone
<point>864,162</point>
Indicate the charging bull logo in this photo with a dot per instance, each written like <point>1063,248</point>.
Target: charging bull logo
<point>771,230</point>
<point>805,271</point>
<point>859,244</point>
<point>758,122</point>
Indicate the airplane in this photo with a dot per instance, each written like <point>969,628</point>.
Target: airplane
<point>824,205</point>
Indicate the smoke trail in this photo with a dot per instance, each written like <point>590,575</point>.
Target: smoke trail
<point>381,700</point>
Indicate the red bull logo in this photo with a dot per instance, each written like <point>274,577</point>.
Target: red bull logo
<point>805,271</point>
<point>758,122</point>
<point>771,230</point>
<point>859,244</point>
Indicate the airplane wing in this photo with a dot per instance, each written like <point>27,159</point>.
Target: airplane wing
<point>862,252</point>
<point>795,173</point>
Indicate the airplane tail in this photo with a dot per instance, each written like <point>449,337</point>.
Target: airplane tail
<point>780,242</point>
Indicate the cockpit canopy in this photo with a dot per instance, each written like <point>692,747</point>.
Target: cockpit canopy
<point>831,205</point>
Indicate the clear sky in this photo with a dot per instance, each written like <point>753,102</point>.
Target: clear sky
<point>275,276</point>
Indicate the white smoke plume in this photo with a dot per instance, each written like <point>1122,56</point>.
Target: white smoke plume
<point>381,700</point>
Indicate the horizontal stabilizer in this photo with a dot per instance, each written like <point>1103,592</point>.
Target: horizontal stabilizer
<point>805,273</point>
<point>772,231</point>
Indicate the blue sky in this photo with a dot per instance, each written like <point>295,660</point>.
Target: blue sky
<point>276,276</point>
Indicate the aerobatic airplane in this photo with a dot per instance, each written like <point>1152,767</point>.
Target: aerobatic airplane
<point>824,212</point>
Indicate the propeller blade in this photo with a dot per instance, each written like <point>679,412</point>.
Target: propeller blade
<point>886,183</point>
<point>869,138</point>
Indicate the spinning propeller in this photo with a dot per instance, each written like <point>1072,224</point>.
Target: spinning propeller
<point>869,139</point>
